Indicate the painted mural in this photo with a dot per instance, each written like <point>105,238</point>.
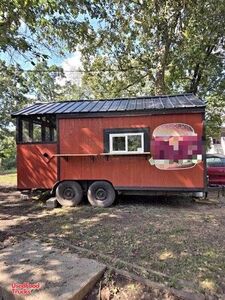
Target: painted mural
<point>175,146</point>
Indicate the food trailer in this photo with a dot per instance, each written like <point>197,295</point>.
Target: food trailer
<point>100,148</point>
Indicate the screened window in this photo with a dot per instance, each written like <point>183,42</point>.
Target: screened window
<point>36,130</point>
<point>26,132</point>
<point>126,142</point>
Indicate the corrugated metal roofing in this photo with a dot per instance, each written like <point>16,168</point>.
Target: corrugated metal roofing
<point>147,103</point>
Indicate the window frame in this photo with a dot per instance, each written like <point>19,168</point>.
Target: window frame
<point>144,131</point>
<point>125,135</point>
<point>51,124</point>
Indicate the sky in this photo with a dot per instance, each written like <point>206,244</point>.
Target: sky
<point>69,65</point>
<point>70,62</point>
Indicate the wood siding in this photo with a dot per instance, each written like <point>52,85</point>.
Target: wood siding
<point>85,135</point>
<point>33,169</point>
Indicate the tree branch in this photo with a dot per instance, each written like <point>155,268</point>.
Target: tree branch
<point>131,84</point>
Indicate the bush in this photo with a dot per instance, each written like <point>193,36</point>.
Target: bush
<point>8,163</point>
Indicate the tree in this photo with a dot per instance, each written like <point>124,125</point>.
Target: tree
<point>36,26</point>
<point>33,29</point>
<point>166,46</point>
<point>128,48</point>
<point>13,90</point>
<point>74,91</point>
<point>7,152</point>
<point>19,88</point>
<point>159,47</point>
<point>42,83</point>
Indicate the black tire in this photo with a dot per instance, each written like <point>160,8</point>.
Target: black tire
<point>101,194</point>
<point>69,193</point>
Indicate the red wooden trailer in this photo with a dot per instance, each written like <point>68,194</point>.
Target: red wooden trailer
<point>104,147</point>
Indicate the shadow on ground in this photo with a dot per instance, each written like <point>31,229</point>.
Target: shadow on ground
<point>183,242</point>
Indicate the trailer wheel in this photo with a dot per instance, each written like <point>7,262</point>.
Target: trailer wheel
<point>69,193</point>
<point>101,194</point>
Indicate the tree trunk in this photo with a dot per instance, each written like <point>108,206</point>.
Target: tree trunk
<point>160,82</point>
<point>196,79</point>
<point>163,47</point>
<point>160,85</point>
<point>199,68</point>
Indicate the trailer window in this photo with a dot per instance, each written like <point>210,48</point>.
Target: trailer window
<point>127,142</point>
<point>37,133</point>
<point>36,130</point>
<point>118,143</point>
<point>26,132</point>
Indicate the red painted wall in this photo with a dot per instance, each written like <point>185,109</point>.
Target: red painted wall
<point>33,169</point>
<point>86,136</point>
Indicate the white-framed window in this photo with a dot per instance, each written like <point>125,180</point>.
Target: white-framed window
<point>126,143</point>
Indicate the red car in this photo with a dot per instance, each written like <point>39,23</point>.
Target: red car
<point>215,169</point>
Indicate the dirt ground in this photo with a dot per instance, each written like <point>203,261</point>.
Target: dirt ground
<point>174,241</point>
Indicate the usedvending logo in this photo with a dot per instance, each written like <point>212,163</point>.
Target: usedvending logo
<point>25,288</point>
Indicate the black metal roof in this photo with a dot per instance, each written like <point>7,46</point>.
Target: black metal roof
<point>146,103</point>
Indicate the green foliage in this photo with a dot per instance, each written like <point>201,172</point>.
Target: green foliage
<point>35,26</point>
<point>124,82</point>
<point>214,116</point>
<point>41,82</point>
<point>159,47</point>
<point>143,47</point>
<point>72,91</point>
<point>7,151</point>
<point>13,90</point>
<point>9,163</point>
<point>31,29</point>
<point>17,89</point>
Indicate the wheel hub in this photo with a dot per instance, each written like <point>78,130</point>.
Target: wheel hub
<point>101,194</point>
<point>68,193</point>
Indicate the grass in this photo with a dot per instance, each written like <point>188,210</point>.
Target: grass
<point>177,239</point>
<point>8,179</point>
<point>181,241</point>
<point>4,172</point>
